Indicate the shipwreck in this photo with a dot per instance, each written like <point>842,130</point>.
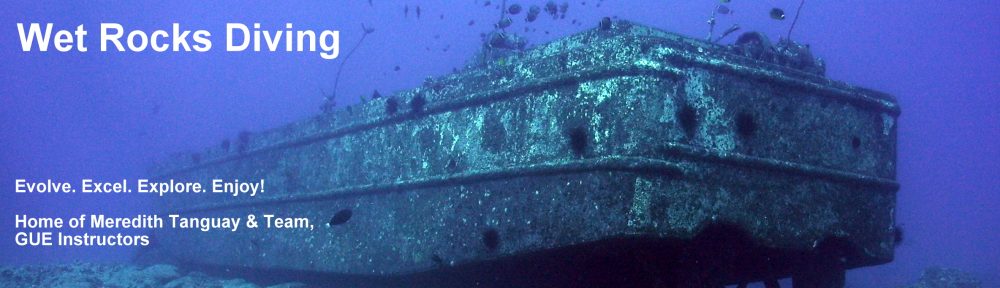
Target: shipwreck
<point>622,156</point>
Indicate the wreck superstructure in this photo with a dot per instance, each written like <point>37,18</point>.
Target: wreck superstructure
<point>615,140</point>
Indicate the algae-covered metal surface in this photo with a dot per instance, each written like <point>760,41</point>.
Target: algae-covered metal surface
<point>617,132</point>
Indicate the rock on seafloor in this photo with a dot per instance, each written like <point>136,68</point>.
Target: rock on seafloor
<point>86,275</point>
<point>937,277</point>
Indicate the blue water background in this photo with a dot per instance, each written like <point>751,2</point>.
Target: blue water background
<point>68,116</point>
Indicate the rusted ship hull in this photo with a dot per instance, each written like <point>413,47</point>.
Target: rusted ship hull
<point>611,139</point>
